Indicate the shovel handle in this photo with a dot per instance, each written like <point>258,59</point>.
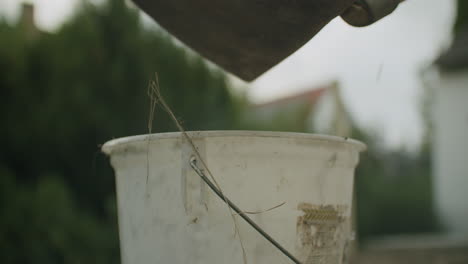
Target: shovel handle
<point>365,12</point>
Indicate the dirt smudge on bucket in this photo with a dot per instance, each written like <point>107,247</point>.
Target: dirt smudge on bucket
<point>320,233</point>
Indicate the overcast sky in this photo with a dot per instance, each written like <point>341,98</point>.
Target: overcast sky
<point>377,66</point>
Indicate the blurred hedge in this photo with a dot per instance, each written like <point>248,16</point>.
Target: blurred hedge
<point>63,94</point>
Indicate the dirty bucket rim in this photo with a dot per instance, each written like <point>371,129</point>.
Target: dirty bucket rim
<point>111,145</point>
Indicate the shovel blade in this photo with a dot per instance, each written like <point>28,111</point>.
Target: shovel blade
<point>245,37</point>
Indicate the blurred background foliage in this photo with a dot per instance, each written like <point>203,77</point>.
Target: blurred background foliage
<point>462,14</point>
<point>63,94</point>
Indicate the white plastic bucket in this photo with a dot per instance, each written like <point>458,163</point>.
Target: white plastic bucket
<point>167,214</point>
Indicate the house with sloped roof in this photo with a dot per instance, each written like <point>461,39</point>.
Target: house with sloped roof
<point>315,110</point>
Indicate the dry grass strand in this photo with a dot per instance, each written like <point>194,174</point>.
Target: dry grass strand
<point>156,98</point>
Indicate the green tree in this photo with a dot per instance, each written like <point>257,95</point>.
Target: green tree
<point>63,94</point>
<point>462,15</point>
<point>393,190</point>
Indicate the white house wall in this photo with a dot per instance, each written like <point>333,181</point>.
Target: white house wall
<point>451,151</point>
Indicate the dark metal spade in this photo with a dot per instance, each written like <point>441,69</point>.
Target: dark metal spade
<point>248,37</point>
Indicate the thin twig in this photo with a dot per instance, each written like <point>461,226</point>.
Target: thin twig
<point>156,92</point>
<point>155,96</point>
<point>262,211</point>
<point>153,102</point>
